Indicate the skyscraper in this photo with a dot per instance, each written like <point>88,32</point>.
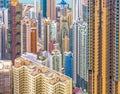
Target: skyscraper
<point>26,35</point>
<point>34,37</point>
<point>35,78</point>
<point>4,3</point>
<point>80,53</point>
<point>46,34</point>
<point>51,9</point>
<point>77,9</point>
<point>56,59</point>
<point>3,32</point>
<point>68,64</point>
<point>43,5</point>
<point>14,30</point>
<point>102,46</point>
<point>63,8</point>
<point>64,29</point>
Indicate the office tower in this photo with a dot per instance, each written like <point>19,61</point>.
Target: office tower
<point>34,36</point>
<point>63,8</point>
<point>14,30</point>
<point>4,16</point>
<point>56,59</point>
<point>26,35</point>
<point>3,32</point>
<point>102,47</point>
<point>43,5</point>
<point>68,64</point>
<point>5,77</point>
<point>64,29</point>
<point>48,81</point>
<point>36,8</point>
<point>77,9</point>
<point>39,23</point>
<point>4,3</point>
<point>46,34</point>
<point>85,11</point>
<point>51,9</point>
<point>80,51</point>
<point>117,41</point>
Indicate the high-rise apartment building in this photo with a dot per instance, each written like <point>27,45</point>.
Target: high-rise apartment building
<point>5,77</point>
<point>64,29</point>
<point>51,9</point>
<point>14,30</point>
<point>68,64</point>
<point>35,78</point>
<point>25,35</point>
<point>101,47</point>
<point>56,59</point>
<point>3,32</point>
<point>80,53</point>
<point>77,9</point>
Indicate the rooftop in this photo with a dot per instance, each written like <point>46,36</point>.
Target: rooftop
<point>36,69</point>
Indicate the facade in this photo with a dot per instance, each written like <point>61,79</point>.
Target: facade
<point>85,11</point>
<point>3,32</point>
<point>102,47</point>
<point>68,64</point>
<point>117,41</point>
<point>48,81</point>
<point>14,30</point>
<point>51,9</point>
<point>56,59</point>
<point>5,77</point>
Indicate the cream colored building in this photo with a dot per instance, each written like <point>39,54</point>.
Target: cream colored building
<point>30,77</point>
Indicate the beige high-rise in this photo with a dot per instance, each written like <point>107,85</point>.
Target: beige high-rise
<point>31,77</point>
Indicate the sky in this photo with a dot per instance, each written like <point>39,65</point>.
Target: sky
<point>31,1</point>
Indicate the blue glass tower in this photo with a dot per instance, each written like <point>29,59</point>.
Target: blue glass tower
<point>43,4</point>
<point>68,64</point>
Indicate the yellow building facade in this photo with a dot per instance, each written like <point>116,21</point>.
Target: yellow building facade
<point>31,78</point>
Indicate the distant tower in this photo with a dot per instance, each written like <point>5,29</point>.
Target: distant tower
<point>43,5</point>
<point>4,3</point>
<point>3,33</point>
<point>63,8</point>
<point>14,30</point>
<point>51,9</point>
<point>47,34</point>
<point>36,8</point>
<point>64,29</point>
<point>56,59</point>
<point>77,9</point>
<point>68,64</point>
